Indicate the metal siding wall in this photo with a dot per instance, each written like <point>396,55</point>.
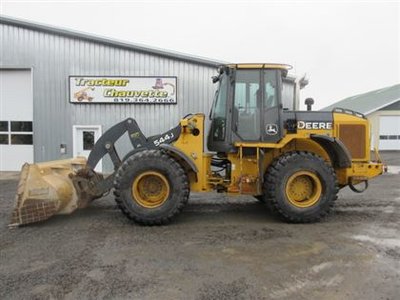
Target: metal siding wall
<point>55,57</point>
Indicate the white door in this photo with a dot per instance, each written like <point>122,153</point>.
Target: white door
<point>389,133</point>
<point>16,116</point>
<point>84,138</point>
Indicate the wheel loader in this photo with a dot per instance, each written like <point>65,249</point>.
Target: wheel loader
<point>293,161</point>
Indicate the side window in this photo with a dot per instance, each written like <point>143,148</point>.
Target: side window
<point>246,95</point>
<point>270,85</point>
<point>219,111</point>
<point>288,94</point>
<point>247,104</point>
<point>240,96</point>
<point>271,112</point>
<point>220,105</point>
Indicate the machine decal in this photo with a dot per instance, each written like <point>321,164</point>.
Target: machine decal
<point>271,129</point>
<point>314,125</point>
<point>163,139</point>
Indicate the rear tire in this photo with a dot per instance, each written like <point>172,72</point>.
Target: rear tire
<point>301,187</point>
<point>151,188</point>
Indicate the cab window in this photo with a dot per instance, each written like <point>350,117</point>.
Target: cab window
<point>270,92</point>
<point>247,105</point>
<point>219,111</point>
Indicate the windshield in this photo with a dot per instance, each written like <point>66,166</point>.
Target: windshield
<point>219,110</point>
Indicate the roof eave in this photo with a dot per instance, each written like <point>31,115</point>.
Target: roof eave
<point>107,41</point>
<point>380,107</point>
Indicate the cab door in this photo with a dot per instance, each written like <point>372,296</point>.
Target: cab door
<point>247,102</point>
<point>257,108</point>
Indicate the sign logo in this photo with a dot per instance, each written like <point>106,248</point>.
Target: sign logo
<point>271,129</point>
<point>103,89</point>
<point>314,125</point>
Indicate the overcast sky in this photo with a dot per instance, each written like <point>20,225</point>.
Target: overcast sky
<point>345,47</point>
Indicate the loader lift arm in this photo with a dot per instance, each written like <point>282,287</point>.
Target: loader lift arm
<point>106,143</point>
<point>90,185</point>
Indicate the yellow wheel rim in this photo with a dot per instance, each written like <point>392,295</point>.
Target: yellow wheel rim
<point>150,189</point>
<point>303,189</point>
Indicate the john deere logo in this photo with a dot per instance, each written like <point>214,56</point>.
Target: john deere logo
<point>314,125</point>
<point>271,129</point>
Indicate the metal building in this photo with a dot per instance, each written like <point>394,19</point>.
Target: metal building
<point>382,109</point>
<point>45,116</point>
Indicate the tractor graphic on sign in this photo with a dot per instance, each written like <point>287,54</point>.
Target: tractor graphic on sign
<point>83,94</point>
<point>159,85</point>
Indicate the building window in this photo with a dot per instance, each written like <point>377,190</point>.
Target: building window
<point>21,126</point>
<point>3,139</point>
<point>16,133</point>
<point>21,139</point>
<point>4,126</point>
<point>88,140</point>
<point>389,137</point>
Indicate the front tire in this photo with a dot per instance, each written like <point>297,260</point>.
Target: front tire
<point>151,188</point>
<point>260,198</point>
<point>301,187</point>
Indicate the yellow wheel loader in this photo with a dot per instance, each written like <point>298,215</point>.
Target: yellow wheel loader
<point>294,161</point>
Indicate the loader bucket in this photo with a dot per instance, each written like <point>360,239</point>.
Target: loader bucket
<point>46,189</point>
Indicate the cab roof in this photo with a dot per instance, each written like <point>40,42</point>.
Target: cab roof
<point>259,66</point>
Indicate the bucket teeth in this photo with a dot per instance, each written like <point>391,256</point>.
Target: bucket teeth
<point>33,211</point>
<point>44,190</point>
<point>30,210</point>
<point>16,215</point>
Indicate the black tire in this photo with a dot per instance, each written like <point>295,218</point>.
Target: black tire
<point>260,198</point>
<point>151,161</point>
<point>276,182</point>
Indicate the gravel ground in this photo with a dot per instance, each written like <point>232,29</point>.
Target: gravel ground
<point>218,248</point>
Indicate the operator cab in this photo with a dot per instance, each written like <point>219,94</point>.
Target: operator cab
<point>247,105</point>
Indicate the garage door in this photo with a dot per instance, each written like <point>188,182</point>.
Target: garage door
<point>16,114</point>
<point>389,133</point>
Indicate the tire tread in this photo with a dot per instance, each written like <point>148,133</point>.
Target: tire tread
<point>138,158</point>
<point>273,175</point>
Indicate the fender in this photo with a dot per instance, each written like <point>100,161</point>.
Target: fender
<point>337,151</point>
<point>187,163</point>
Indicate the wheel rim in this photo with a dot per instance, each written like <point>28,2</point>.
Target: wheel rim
<point>303,189</point>
<point>150,189</point>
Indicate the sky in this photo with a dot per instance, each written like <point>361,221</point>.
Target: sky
<point>344,47</point>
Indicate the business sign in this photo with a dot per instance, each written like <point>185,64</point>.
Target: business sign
<point>110,89</point>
